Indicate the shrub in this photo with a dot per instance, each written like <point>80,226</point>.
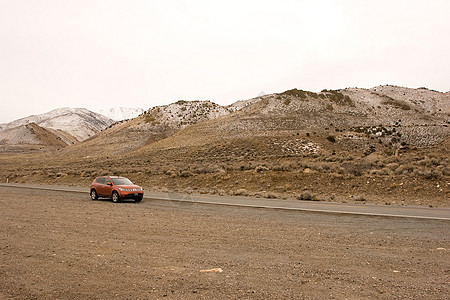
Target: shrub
<point>356,169</point>
<point>300,93</point>
<point>241,192</point>
<point>331,138</point>
<point>339,98</point>
<point>360,198</point>
<point>149,119</point>
<point>404,169</point>
<point>431,174</point>
<point>395,103</point>
<point>261,169</point>
<point>271,195</point>
<point>186,174</point>
<point>307,195</point>
<point>446,171</point>
<point>392,166</point>
<point>385,171</point>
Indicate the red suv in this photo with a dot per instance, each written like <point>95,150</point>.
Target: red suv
<point>116,188</point>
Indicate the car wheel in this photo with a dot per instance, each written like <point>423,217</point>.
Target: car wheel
<point>115,197</point>
<point>94,195</point>
<point>139,199</point>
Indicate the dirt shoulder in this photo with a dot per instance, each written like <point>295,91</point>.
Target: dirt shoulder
<point>64,246</point>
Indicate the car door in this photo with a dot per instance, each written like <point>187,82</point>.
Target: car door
<point>101,186</point>
<point>108,187</point>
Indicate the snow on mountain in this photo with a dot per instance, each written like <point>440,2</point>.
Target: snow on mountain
<point>182,114</point>
<point>79,122</point>
<point>121,113</point>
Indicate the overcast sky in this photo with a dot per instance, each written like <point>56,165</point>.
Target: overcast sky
<point>101,54</point>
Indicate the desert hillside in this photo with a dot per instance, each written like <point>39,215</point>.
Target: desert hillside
<point>32,137</point>
<point>386,145</point>
<point>78,122</point>
<point>153,125</point>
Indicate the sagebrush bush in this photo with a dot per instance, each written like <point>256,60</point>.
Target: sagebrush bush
<point>446,171</point>
<point>186,173</point>
<point>431,174</point>
<point>404,169</point>
<point>241,192</point>
<point>260,169</point>
<point>307,195</point>
<point>392,166</point>
<point>360,198</point>
<point>271,195</point>
<point>385,171</point>
<point>331,138</point>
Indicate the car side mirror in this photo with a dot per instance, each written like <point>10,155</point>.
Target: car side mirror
<point>109,183</point>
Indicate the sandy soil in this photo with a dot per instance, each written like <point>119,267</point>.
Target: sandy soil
<point>57,245</point>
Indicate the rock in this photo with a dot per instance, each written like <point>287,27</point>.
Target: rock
<point>215,270</point>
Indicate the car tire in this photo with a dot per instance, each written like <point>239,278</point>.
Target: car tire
<point>94,195</point>
<point>139,199</point>
<point>115,197</point>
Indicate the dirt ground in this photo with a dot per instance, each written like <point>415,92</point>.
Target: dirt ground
<point>60,245</point>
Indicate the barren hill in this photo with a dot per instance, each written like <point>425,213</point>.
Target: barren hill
<point>386,144</point>
<point>33,137</point>
<point>78,122</point>
<point>155,124</point>
<point>354,117</point>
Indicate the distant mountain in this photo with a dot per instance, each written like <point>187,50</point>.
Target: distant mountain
<point>31,137</point>
<point>121,113</point>
<point>78,122</point>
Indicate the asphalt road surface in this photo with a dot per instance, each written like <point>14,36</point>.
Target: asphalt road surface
<point>295,205</point>
<point>62,245</point>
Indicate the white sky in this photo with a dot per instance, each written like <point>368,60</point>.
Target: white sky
<point>101,54</point>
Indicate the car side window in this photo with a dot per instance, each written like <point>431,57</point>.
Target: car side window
<point>101,180</point>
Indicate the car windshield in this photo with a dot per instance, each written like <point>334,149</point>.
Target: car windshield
<point>121,181</point>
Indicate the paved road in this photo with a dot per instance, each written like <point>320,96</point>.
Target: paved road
<point>292,205</point>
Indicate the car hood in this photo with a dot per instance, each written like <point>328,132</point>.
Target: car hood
<point>132,186</point>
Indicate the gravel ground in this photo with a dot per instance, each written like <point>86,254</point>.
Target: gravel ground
<point>60,245</point>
